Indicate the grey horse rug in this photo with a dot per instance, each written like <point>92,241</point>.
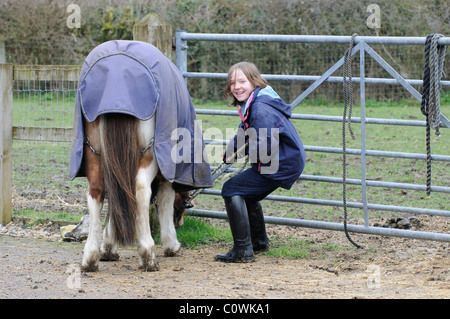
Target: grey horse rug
<point>135,78</point>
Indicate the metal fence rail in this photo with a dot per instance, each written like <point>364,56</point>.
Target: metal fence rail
<point>362,47</point>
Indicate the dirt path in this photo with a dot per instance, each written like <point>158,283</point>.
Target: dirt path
<point>393,268</point>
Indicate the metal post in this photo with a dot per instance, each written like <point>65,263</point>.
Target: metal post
<point>362,98</point>
<point>181,51</point>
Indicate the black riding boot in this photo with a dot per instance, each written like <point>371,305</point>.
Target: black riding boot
<point>242,250</point>
<point>260,240</point>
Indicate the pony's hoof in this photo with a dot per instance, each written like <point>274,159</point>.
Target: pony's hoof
<point>89,268</point>
<point>108,256</point>
<point>168,252</point>
<point>150,267</point>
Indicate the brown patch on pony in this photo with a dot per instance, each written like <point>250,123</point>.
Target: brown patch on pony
<point>120,158</point>
<point>147,159</point>
<point>93,164</point>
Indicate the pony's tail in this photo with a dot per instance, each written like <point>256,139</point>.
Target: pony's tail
<point>120,159</point>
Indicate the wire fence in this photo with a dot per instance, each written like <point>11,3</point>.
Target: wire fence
<point>43,104</point>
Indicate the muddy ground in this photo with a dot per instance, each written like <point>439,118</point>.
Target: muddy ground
<point>40,265</point>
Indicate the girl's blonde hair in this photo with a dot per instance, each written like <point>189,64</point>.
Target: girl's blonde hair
<point>251,72</point>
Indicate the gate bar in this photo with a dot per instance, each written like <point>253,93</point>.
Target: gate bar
<point>338,203</point>
<point>326,118</point>
<point>362,98</point>
<point>352,151</point>
<point>308,78</point>
<point>305,38</point>
<point>381,231</point>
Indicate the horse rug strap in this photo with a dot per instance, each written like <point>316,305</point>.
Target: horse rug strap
<point>145,149</point>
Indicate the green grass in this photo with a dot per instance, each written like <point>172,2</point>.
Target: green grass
<point>43,108</point>
<point>195,233</point>
<point>34,217</point>
<point>300,249</point>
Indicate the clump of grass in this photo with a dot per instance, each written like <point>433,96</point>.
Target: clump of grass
<point>33,217</point>
<point>297,248</point>
<point>196,232</point>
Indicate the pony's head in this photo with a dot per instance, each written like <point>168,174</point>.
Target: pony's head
<point>180,205</point>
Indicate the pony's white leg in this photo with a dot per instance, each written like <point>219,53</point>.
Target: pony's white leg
<point>109,248</point>
<point>145,242</point>
<point>95,198</point>
<point>165,199</point>
<point>92,248</point>
<point>147,171</point>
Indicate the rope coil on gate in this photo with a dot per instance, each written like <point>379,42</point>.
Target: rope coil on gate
<point>348,102</point>
<point>432,72</point>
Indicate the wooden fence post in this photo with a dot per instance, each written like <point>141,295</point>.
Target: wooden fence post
<point>154,30</point>
<point>6,77</point>
<point>2,51</point>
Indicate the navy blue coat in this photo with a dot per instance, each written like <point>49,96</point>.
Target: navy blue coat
<point>276,150</point>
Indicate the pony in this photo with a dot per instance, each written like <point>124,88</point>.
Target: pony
<point>131,101</point>
<point>119,162</point>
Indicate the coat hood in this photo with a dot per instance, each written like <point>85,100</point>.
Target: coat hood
<point>276,101</point>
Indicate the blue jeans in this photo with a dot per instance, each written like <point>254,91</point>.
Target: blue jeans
<point>249,184</point>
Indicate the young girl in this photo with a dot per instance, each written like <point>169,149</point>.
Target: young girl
<point>276,154</point>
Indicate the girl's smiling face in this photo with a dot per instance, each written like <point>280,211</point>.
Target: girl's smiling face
<point>240,86</point>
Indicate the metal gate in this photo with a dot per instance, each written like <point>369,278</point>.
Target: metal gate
<point>362,46</point>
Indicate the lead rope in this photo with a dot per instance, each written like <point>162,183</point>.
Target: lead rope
<point>348,102</point>
<point>230,159</point>
<point>432,72</point>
